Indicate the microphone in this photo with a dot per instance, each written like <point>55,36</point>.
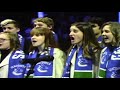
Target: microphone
<point>36,60</point>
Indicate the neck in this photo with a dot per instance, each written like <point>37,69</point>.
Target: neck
<point>41,47</point>
<point>5,50</point>
<point>79,44</point>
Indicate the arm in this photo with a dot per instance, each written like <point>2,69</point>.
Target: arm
<point>59,57</point>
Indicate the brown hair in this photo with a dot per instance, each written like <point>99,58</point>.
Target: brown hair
<point>89,41</point>
<point>115,30</point>
<point>49,38</point>
<point>45,20</point>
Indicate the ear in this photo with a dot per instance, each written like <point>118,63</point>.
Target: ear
<point>18,29</point>
<point>50,27</point>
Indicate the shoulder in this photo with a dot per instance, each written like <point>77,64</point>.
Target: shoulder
<point>104,49</point>
<point>116,54</point>
<point>20,36</point>
<point>58,51</point>
<point>19,52</point>
<point>116,50</point>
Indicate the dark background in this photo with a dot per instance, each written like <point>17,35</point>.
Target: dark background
<point>62,21</point>
<point>24,18</point>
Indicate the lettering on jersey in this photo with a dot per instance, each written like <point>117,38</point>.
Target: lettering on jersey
<point>17,69</point>
<point>116,55</point>
<point>115,72</point>
<point>18,54</point>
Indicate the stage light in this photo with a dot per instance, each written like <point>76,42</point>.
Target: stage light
<point>119,17</point>
<point>40,14</point>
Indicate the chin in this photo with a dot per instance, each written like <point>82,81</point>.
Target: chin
<point>72,43</point>
<point>2,48</point>
<point>107,42</point>
<point>35,45</point>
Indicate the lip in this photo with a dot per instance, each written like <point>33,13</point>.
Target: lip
<point>105,38</point>
<point>34,40</point>
<point>71,38</point>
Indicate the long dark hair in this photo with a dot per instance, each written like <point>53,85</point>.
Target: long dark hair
<point>89,40</point>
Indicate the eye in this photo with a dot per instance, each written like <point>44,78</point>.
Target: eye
<point>2,39</point>
<point>75,31</point>
<point>41,34</point>
<point>34,25</point>
<point>107,31</point>
<point>3,28</point>
<point>10,28</point>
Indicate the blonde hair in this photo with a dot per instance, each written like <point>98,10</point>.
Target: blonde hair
<point>9,21</point>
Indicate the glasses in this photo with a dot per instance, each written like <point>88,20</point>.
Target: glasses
<point>2,39</point>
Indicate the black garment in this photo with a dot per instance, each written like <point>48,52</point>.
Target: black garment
<point>27,45</point>
<point>4,53</point>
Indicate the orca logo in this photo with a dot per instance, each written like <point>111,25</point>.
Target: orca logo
<point>113,75</point>
<point>42,69</point>
<point>17,71</point>
<point>82,63</point>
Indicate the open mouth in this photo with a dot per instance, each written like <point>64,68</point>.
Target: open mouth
<point>34,41</point>
<point>0,44</point>
<point>105,38</point>
<point>71,38</point>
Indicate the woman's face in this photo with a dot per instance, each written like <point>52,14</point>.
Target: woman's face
<point>76,35</point>
<point>4,42</point>
<point>107,34</point>
<point>38,40</point>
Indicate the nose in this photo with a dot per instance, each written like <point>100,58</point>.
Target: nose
<point>37,25</point>
<point>103,33</point>
<point>5,29</point>
<point>33,37</point>
<point>71,33</point>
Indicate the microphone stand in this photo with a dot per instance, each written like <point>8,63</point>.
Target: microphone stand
<point>31,71</point>
<point>35,61</point>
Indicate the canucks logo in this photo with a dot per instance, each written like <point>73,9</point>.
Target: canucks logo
<point>17,71</point>
<point>82,62</point>
<point>43,66</point>
<point>42,69</point>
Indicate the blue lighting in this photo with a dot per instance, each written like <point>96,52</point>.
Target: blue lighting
<point>119,17</point>
<point>40,14</point>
